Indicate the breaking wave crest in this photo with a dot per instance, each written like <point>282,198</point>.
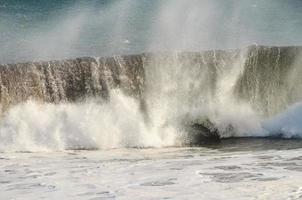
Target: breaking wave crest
<point>151,100</point>
<point>33,126</point>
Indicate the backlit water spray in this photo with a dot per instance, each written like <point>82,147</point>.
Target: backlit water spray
<point>154,99</point>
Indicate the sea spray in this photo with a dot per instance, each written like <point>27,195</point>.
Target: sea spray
<point>287,124</point>
<point>149,100</point>
<point>33,126</point>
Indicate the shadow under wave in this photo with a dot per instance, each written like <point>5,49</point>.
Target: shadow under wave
<point>252,144</point>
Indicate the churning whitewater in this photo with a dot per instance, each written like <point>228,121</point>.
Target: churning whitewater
<point>151,100</point>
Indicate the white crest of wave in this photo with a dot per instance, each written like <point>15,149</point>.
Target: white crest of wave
<point>47,127</point>
<point>120,123</point>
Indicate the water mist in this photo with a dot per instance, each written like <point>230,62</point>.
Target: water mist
<point>147,99</point>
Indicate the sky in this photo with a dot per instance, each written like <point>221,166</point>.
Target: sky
<point>34,30</point>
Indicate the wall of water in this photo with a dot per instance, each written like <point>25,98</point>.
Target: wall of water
<point>148,99</point>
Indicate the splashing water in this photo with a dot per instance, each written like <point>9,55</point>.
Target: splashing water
<point>142,100</point>
<point>151,99</point>
<point>42,127</point>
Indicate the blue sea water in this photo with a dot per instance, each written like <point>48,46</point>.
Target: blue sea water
<point>44,29</point>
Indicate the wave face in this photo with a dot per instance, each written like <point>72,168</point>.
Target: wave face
<point>270,81</point>
<point>150,100</point>
<point>70,80</point>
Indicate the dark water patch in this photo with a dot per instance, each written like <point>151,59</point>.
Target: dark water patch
<point>294,168</point>
<point>80,148</point>
<point>176,168</point>
<point>103,195</point>
<point>278,164</point>
<point>221,158</point>
<point>188,156</point>
<point>72,153</point>
<point>102,198</point>
<point>124,160</point>
<point>5,182</point>
<point>299,158</point>
<point>87,194</point>
<point>33,176</point>
<point>50,173</point>
<point>231,177</point>
<point>10,171</point>
<point>265,157</point>
<point>229,168</point>
<point>29,186</point>
<point>202,133</point>
<point>81,171</point>
<point>80,158</point>
<point>265,179</point>
<point>254,144</point>
<point>160,183</point>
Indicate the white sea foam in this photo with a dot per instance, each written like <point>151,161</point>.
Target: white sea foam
<point>176,96</point>
<point>119,123</point>
<point>287,124</point>
<point>32,126</point>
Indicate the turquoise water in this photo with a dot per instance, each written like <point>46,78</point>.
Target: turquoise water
<point>44,29</point>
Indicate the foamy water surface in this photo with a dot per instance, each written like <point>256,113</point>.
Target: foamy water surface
<point>234,169</point>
